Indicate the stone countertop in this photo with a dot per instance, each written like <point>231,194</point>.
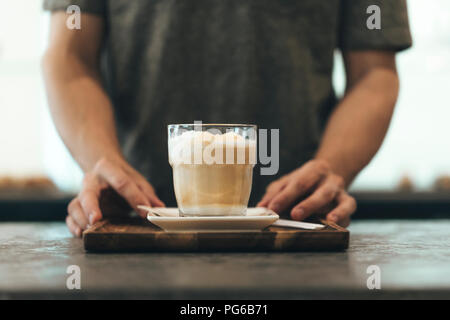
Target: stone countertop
<point>413,257</point>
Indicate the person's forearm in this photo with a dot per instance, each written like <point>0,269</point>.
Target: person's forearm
<point>359,123</point>
<point>80,108</point>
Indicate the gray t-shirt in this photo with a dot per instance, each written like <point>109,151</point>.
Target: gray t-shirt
<point>263,62</point>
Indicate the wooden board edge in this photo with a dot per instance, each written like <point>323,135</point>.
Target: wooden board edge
<point>334,226</point>
<point>95,226</point>
<point>108,242</point>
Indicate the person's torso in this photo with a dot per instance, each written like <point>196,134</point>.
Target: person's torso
<point>263,62</point>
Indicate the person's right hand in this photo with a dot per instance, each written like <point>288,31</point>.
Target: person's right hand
<point>115,180</point>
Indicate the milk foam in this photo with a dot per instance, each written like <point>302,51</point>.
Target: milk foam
<point>203,147</point>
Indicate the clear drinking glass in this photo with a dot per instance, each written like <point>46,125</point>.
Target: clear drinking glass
<point>212,167</point>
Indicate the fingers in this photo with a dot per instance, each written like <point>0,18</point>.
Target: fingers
<point>128,183</point>
<point>323,196</point>
<point>89,198</point>
<point>285,198</point>
<point>150,194</point>
<point>77,214</point>
<point>272,190</point>
<point>120,181</point>
<point>345,208</point>
<point>73,228</point>
<point>153,199</point>
<point>301,181</point>
<point>76,220</point>
<point>329,192</point>
<point>147,189</point>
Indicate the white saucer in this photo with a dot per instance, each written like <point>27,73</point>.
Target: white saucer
<point>169,220</point>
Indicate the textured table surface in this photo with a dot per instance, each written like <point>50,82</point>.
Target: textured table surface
<point>413,257</point>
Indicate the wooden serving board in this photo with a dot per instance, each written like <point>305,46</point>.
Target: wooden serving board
<point>138,235</point>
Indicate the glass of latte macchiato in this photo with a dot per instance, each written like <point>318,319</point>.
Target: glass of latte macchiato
<point>212,167</point>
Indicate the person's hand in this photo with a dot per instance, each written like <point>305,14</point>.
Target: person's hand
<point>113,187</point>
<point>311,189</point>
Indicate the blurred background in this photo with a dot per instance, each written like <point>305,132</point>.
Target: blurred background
<point>415,157</point>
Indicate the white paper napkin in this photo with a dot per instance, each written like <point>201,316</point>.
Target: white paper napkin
<point>297,224</point>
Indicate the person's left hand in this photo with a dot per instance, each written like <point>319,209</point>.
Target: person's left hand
<point>320,192</point>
